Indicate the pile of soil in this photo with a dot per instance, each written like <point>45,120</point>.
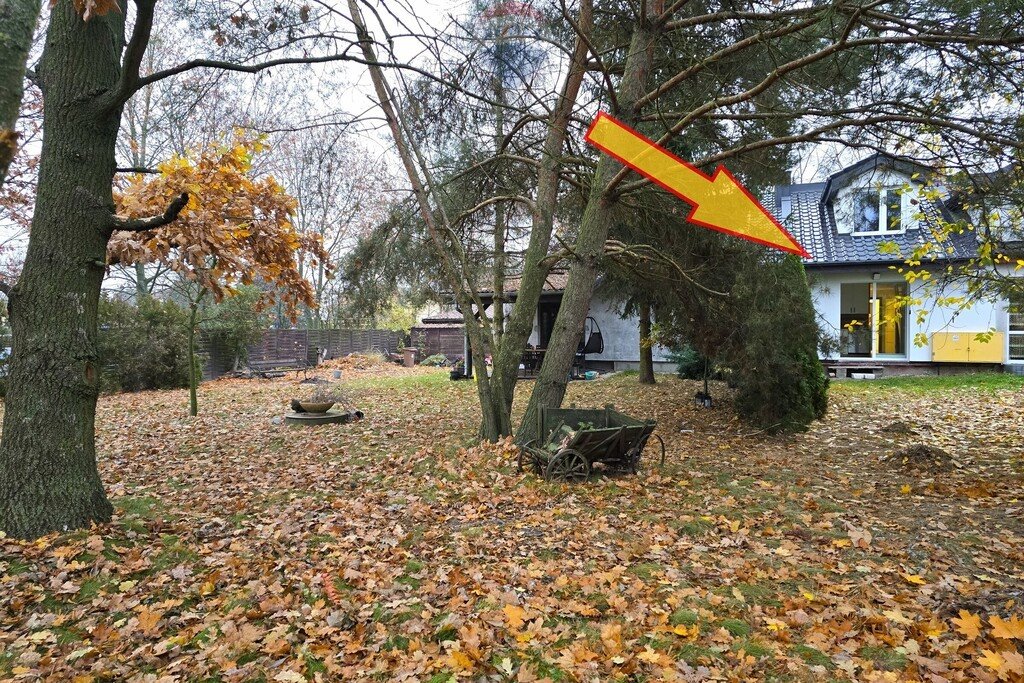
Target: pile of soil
<point>923,458</point>
<point>356,361</point>
<point>899,427</point>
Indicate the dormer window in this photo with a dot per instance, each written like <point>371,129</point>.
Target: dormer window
<point>877,211</point>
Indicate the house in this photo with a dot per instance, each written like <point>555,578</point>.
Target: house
<point>843,224</point>
<point>439,333</point>
<point>610,341</point>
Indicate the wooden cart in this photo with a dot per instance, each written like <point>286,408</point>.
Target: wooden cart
<point>601,435</point>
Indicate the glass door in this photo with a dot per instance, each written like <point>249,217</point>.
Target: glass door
<point>890,319</point>
<point>855,333</point>
<point>1016,325</point>
<point>872,321</point>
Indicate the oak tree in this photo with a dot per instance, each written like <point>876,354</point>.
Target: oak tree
<point>92,64</point>
<point>234,228</point>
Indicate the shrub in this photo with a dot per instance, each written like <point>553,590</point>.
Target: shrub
<point>781,383</point>
<point>764,338</point>
<point>142,347</point>
<point>236,322</point>
<point>437,360</point>
<point>690,364</point>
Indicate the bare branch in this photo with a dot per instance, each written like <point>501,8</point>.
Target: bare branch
<point>142,224</point>
<point>128,82</point>
<point>136,169</point>
<point>494,200</point>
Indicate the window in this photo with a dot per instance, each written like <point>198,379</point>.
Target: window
<point>892,217</point>
<point>1017,327</point>
<point>877,211</point>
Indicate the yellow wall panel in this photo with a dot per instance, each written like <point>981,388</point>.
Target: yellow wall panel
<point>964,347</point>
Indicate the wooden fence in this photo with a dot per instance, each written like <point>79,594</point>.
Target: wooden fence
<point>297,344</point>
<point>448,340</point>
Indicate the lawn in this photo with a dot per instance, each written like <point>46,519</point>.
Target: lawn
<point>399,549</point>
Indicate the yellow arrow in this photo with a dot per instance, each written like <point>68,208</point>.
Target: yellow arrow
<point>719,202</point>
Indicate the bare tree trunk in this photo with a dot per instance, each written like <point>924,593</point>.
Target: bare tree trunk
<point>141,281</point>
<point>193,371</point>
<point>495,392</point>
<point>550,386</point>
<point>500,225</point>
<point>17,24</point>
<point>646,352</point>
<point>48,475</point>
<point>493,423</point>
<point>519,324</point>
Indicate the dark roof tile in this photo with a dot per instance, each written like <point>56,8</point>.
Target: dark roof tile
<point>813,225</point>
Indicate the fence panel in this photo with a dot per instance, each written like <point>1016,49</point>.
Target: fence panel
<point>280,345</point>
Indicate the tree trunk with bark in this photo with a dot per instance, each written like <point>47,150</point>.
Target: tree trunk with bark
<point>519,324</point>
<point>646,352</point>
<point>48,475</point>
<point>17,24</point>
<point>495,390</point>
<point>193,369</point>
<point>549,389</point>
<point>500,223</point>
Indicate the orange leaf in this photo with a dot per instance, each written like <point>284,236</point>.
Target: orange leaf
<point>516,616</point>
<point>1014,628</point>
<point>968,624</point>
<point>460,661</point>
<point>148,619</point>
<point>1013,663</point>
<point>991,659</point>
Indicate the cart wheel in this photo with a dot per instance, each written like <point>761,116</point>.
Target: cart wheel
<point>568,465</point>
<point>523,456</point>
<point>528,458</point>
<point>661,441</point>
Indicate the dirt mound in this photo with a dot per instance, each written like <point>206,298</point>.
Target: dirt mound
<point>356,361</point>
<point>923,458</point>
<point>899,427</point>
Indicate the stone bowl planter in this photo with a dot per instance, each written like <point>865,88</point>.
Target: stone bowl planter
<point>316,408</point>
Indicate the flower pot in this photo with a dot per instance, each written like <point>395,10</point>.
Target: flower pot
<point>311,407</point>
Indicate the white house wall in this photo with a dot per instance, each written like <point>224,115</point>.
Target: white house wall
<point>982,317</point>
<point>621,337</point>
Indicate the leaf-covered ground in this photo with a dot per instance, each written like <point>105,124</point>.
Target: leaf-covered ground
<point>393,549</point>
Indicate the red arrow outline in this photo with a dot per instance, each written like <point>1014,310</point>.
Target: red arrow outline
<point>721,169</point>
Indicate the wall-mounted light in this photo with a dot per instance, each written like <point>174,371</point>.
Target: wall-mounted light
<point>875,276</point>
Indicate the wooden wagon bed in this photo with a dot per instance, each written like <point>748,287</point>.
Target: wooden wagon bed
<point>601,435</point>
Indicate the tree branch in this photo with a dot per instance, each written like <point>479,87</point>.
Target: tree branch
<point>128,82</point>
<point>135,169</point>
<point>143,224</point>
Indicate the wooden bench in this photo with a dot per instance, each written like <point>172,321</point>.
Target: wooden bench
<point>278,367</point>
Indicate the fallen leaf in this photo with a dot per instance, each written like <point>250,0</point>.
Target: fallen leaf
<point>1006,630</point>
<point>968,624</point>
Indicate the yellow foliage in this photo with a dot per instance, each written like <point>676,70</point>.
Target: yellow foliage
<point>968,625</point>
<point>235,228</point>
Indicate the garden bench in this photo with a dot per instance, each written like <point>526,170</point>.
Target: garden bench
<point>278,367</point>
